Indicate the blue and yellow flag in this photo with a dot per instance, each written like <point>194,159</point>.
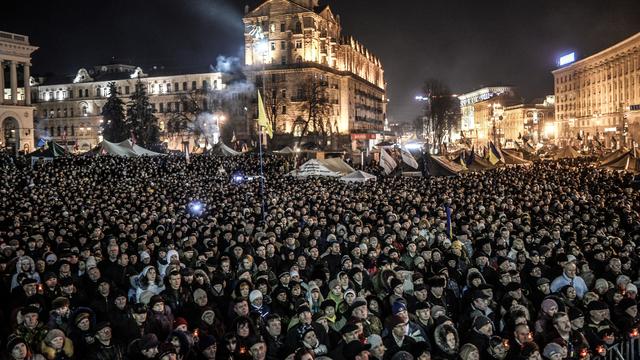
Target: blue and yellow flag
<point>494,154</point>
<point>262,117</point>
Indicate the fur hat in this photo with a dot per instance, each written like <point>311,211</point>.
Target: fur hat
<point>52,334</point>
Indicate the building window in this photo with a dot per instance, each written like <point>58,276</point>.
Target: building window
<point>298,44</point>
<point>160,88</point>
<point>73,130</point>
<point>184,86</point>
<point>98,91</point>
<point>84,110</point>
<point>193,85</point>
<point>283,45</point>
<point>284,109</point>
<point>176,87</point>
<point>169,87</point>
<point>284,93</point>
<point>273,46</point>
<point>215,84</point>
<point>71,112</point>
<point>161,107</point>
<point>283,60</point>
<point>65,112</point>
<point>283,27</point>
<point>205,84</point>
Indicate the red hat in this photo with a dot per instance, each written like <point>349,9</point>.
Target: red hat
<point>180,321</point>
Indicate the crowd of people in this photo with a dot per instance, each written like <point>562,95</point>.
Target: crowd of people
<point>156,258</point>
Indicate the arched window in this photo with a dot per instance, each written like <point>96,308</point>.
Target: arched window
<point>298,27</point>
<point>84,110</point>
<point>98,91</point>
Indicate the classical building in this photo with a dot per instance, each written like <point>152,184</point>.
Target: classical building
<point>599,97</point>
<point>16,112</point>
<point>482,109</point>
<point>533,122</point>
<point>291,43</point>
<point>68,109</point>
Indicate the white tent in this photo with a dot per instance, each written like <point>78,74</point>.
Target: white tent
<point>222,149</point>
<point>124,148</point>
<point>358,176</point>
<point>313,167</point>
<point>337,165</point>
<point>285,151</point>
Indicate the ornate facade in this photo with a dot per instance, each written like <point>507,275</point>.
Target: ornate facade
<point>599,97</point>
<point>16,112</point>
<point>68,110</point>
<point>534,122</point>
<point>288,42</point>
<point>481,108</point>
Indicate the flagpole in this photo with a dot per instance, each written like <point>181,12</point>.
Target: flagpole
<point>261,173</point>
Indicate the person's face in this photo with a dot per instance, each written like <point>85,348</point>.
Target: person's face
<point>570,270</point>
<point>243,330</point>
<point>499,352</point>
<point>487,330</point>
<point>150,353</point>
<point>523,334</point>
<point>104,334</point>
<point>563,325</point>
<point>241,308</point>
<point>19,351</point>
<point>399,330</point>
<point>84,324</point>
<point>437,291</point>
<point>175,281</point>
<point>139,318</point>
<point>330,310</point>
<point>451,340</point>
<point>305,317</point>
<point>598,315</point>
<point>57,342</point>
<point>244,290</point>
<point>274,327</point>
<point>158,307</point>
<point>30,289</point>
<point>31,320</point>
<point>210,352</point>
<point>632,311</point>
<point>310,338</point>
<point>259,351</point>
<point>544,288</point>
<point>474,355</point>
<point>361,312</point>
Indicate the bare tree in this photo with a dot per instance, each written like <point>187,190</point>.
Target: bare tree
<point>316,106</point>
<point>442,110</point>
<point>184,121</point>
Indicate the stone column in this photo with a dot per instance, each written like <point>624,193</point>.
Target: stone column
<point>1,82</point>
<point>14,83</point>
<point>27,84</point>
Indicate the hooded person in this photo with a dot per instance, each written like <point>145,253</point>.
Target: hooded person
<point>18,349</point>
<point>25,268</point>
<point>148,282</point>
<point>57,346</point>
<point>447,342</point>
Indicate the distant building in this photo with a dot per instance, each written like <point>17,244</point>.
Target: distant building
<point>599,97</point>
<point>481,109</point>
<point>531,122</point>
<point>68,109</point>
<point>16,112</point>
<point>289,42</point>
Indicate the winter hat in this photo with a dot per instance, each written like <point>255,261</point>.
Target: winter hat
<point>575,313</point>
<point>398,307</point>
<point>402,355</point>
<point>601,283</point>
<point>552,349</point>
<point>59,302</point>
<point>199,294</point>
<point>395,283</point>
<point>632,288</point>
<point>255,294</point>
<point>180,321</point>
<point>395,321</point>
<point>375,340</point>
<point>547,304</point>
<point>206,341</point>
<point>480,321</point>
<point>597,305</point>
<point>349,291</point>
<point>542,280</point>
<point>14,340</point>
<point>149,341</point>
<point>30,309</point>
<point>52,334</point>
<point>155,299</point>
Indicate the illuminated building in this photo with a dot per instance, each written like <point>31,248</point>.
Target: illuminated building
<point>68,109</point>
<point>598,97</point>
<point>481,108</point>
<point>289,41</point>
<point>532,122</point>
<point>16,112</point>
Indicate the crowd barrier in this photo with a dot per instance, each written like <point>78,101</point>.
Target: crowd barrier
<point>628,349</point>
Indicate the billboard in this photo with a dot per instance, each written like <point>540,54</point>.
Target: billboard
<point>567,59</point>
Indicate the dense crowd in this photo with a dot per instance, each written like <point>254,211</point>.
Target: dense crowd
<point>156,258</point>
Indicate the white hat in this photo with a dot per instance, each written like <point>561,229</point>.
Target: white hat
<point>255,294</point>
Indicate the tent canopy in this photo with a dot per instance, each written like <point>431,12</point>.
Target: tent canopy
<point>511,159</point>
<point>337,165</point>
<point>50,150</point>
<point>285,151</point>
<point>223,150</point>
<point>314,167</point>
<point>124,148</point>
<point>567,152</point>
<point>627,162</point>
<point>613,156</point>
<point>441,166</point>
<point>358,176</point>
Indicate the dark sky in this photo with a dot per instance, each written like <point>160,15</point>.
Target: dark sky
<point>466,43</point>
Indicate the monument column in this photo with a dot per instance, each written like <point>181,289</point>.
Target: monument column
<point>27,84</point>
<point>14,83</point>
<point>1,82</point>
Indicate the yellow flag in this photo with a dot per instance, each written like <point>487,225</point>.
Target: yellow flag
<point>262,117</point>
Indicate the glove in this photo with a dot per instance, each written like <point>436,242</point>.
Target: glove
<point>320,350</point>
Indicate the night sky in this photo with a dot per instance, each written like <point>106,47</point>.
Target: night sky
<point>466,44</point>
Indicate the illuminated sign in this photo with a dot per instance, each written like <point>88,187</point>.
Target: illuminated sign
<point>634,107</point>
<point>567,59</point>
<point>610,129</point>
